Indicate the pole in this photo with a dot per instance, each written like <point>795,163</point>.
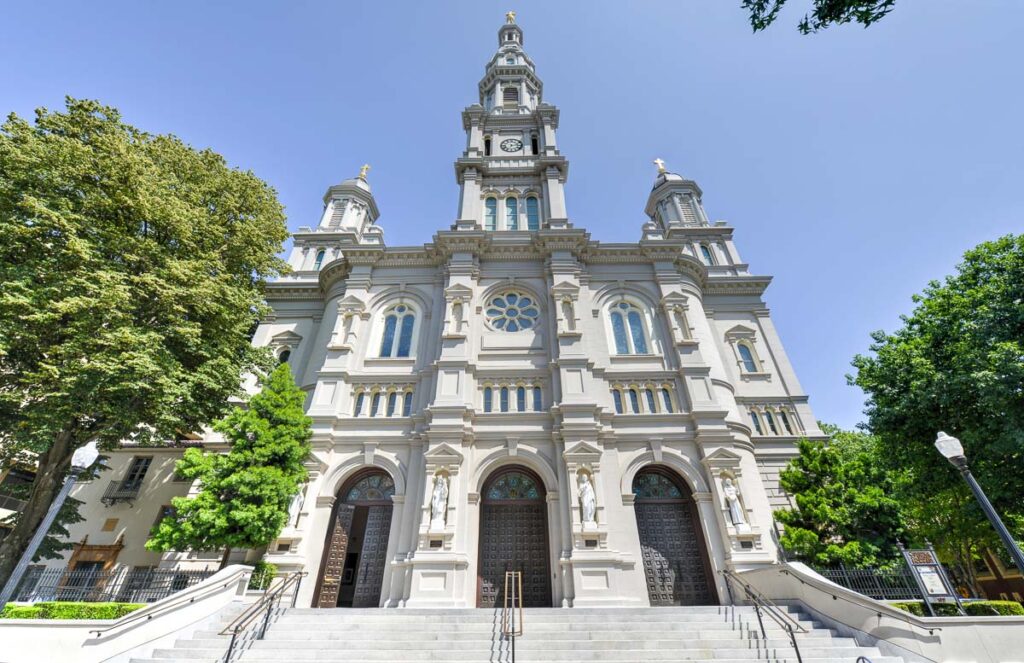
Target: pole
<point>37,539</point>
<point>997,523</point>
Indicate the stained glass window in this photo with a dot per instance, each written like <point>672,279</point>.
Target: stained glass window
<point>655,486</point>
<point>319,259</point>
<point>407,404</point>
<point>398,321</point>
<point>504,399</point>
<point>619,330</point>
<point>488,399</point>
<point>521,399</point>
<point>490,214</point>
<point>513,486</point>
<point>617,397</point>
<point>625,314</point>
<point>405,340</point>
<point>376,486</point>
<point>512,214</point>
<point>749,365</point>
<point>652,405</point>
<point>512,312</point>
<point>538,397</point>
<point>390,323</point>
<point>636,330</point>
<point>532,214</point>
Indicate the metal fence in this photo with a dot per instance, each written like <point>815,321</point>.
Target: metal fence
<point>882,584</point>
<point>129,585</point>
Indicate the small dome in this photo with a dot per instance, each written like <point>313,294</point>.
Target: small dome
<point>357,182</point>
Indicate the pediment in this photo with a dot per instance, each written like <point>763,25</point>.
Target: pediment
<point>582,452</point>
<point>443,454</point>
<point>351,303</point>
<point>674,299</point>
<point>565,288</point>
<point>722,458</point>
<point>458,291</point>
<point>286,338</point>
<point>740,331</point>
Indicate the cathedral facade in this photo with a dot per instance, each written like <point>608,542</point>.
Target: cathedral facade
<point>608,419</point>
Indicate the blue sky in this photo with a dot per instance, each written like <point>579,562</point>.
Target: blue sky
<point>854,164</point>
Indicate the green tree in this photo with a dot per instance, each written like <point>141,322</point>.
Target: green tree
<point>956,364</point>
<point>245,493</point>
<point>133,269</point>
<point>847,510</point>
<point>825,13</point>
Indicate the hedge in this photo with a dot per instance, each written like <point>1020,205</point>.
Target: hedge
<point>262,575</point>
<point>69,610</point>
<point>972,608</point>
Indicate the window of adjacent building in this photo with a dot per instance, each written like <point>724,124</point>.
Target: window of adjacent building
<point>747,357</point>
<point>512,214</point>
<point>705,253</point>
<point>532,214</point>
<point>512,312</point>
<point>628,330</point>
<point>491,214</point>
<point>399,323</point>
<point>137,471</point>
<point>166,511</point>
<point>319,259</point>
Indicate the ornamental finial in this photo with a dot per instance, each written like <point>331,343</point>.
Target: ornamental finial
<point>362,171</point>
<point>660,164</point>
<point>510,17</point>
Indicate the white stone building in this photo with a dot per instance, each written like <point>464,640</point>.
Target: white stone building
<point>609,419</point>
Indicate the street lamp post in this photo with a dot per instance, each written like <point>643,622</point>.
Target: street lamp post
<point>82,460</point>
<point>953,451</point>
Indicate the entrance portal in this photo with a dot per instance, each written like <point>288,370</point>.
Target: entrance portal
<point>356,549</point>
<point>513,537</point>
<point>671,542</point>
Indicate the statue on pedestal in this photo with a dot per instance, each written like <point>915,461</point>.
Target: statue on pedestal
<point>732,500</point>
<point>439,503</point>
<point>588,501</point>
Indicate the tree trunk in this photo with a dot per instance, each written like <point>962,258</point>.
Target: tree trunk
<point>224,559</point>
<point>53,466</point>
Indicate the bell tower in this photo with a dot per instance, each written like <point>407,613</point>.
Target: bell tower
<point>511,173</point>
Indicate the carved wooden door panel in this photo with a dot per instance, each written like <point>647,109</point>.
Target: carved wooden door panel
<point>514,537</point>
<point>673,559</point>
<point>373,558</point>
<point>334,564</point>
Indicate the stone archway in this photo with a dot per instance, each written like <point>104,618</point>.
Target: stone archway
<point>355,551</point>
<point>513,537</point>
<point>676,565</point>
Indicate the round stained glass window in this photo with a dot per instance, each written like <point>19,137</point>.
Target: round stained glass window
<point>512,312</point>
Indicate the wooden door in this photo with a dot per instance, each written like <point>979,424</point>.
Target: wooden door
<point>334,557</point>
<point>672,546</point>
<point>373,557</point>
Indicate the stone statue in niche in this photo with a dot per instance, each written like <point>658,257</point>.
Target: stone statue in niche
<point>732,500</point>
<point>569,315</point>
<point>588,501</point>
<point>457,317</point>
<point>295,508</point>
<point>439,502</point>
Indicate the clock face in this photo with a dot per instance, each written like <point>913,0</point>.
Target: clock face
<point>512,145</point>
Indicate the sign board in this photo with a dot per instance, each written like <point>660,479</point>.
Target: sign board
<point>931,577</point>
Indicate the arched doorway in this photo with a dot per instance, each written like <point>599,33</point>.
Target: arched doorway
<point>355,553</point>
<point>513,537</point>
<point>675,558</point>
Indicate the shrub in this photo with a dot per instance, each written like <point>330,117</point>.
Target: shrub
<point>974,608</point>
<point>70,610</point>
<point>262,574</point>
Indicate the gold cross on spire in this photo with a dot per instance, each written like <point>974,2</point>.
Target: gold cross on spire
<point>510,17</point>
<point>660,164</point>
<point>362,171</point>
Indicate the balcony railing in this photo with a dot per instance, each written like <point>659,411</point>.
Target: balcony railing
<point>121,491</point>
<point>11,503</point>
<point>129,585</point>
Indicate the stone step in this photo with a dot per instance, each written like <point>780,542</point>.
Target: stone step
<point>347,629</point>
<point>291,635</point>
<point>527,644</point>
<point>431,612</point>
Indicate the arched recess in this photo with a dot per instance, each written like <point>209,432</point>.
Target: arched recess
<point>691,473</point>
<point>677,568</point>
<point>353,564</point>
<point>514,536</point>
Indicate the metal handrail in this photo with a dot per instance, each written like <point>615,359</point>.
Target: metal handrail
<point>513,600</point>
<point>762,602</point>
<point>271,598</point>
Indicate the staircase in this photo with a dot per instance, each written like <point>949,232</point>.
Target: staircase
<point>723,634</point>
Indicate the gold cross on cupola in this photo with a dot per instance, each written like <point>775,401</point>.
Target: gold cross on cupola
<point>362,171</point>
<point>660,164</point>
<point>510,17</point>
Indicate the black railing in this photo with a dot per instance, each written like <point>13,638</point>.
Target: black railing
<point>140,585</point>
<point>896,584</point>
<point>121,491</point>
<point>252,624</point>
<point>765,606</point>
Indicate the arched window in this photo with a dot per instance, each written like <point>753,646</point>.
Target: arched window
<point>510,95</point>
<point>511,214</point>
<point>652,405</point>
<point>538,399</point>
<point>771,422</point>
<point>634,401</point>
<point>360,397</point>
<point>785,421</point>
<point>757,422</point>
<point>504,399</point>
<point>666,398</point>
<point>532,214</point>
<point>617,397</point>
<point>392,401</point>
<point>705,253</point>
<point>375,404</point>
<point>534,144</point>
<point>488,399</point>
<point>510,60</point>
<point>491,214</point>
<point>628,329</point>
<point>319,259</point>
<point>747,357</point>
<point>487,146</point>
<point>521,399</point>
<point>399,321</point>
<point>284,356</point>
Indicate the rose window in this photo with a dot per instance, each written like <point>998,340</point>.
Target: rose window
<point>512,312</point>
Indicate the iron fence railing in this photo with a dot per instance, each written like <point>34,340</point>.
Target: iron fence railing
<point>128,585</point>
<point>896,584</point>
<point>11,503</point>
<point>121,491</point>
